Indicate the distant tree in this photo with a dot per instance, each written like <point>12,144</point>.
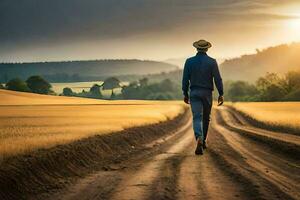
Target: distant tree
<point>17,84</point>
<point>241,91</point>
<point>163,90</point>
<point>95,92</point>
<point>1,86</point>
<point>167,85</point>
<point>273,93</point>
<point>131,91</point>
<point>292,86</point>
<point>111,84</point>
<point>164,86</point>
<point>293,96</point>
<point>292,81</point>
<point>113,95</point>
<point>67,91</point>
<point>270,78</point>
<point>83,93</point>
<point>144,82</point>
<point>271,87</point>
<point>38,85</point>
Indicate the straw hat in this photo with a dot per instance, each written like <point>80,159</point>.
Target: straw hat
<point>202,44</point>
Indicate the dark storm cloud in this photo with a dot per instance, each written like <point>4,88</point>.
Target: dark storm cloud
<point>39,30</point>
<point>42,21</point>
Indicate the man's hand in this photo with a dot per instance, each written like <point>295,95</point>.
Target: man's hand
<point>220,100</point>
<point>186,100</point>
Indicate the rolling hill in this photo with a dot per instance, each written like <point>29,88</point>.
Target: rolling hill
<point>82,70</point>
<point>279,59</point>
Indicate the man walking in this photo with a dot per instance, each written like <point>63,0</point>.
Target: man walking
<point>199,74</point>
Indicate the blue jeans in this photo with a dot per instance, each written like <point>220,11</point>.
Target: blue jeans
<point>201,103</point>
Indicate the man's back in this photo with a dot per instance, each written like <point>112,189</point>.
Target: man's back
<point>199,73</point>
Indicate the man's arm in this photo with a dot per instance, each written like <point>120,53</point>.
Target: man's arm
<point>219,83</point>
<point>218,79</point>
<point>185,80</point>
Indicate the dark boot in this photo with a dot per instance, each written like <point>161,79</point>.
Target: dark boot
<point>199,148</point>
<point>204,145</point>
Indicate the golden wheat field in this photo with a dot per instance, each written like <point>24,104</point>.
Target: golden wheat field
<point>285,114</point>
<point>31,121</point>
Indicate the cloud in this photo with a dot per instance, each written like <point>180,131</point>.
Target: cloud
<point>44,22</point>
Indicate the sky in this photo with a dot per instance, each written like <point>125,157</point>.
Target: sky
<point>54,30</point>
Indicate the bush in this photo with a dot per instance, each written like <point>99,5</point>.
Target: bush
<point>164,90</point>
<point>38,85</point>
<point>293,96</point>
<point>95,92</point>
<point>273,93</point>
<point>1,86</point>
<point>17,84</point>
<point>241,91</point>
<point>68,92</point>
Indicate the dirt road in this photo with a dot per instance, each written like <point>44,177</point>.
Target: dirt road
<point>241,162</point>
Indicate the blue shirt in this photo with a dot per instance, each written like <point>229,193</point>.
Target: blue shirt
<point>200,72</point>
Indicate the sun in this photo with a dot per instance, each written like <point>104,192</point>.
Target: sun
<point>294,24</point>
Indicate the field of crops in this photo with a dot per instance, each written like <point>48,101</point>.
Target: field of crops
<point>282,114</point>
<point>31,121</point>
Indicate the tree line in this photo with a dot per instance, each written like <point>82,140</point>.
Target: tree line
<point>141,89</point>
<point>34,84</point>
<point>270,87</point>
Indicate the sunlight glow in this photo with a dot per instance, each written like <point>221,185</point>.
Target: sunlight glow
<point>294,24</point>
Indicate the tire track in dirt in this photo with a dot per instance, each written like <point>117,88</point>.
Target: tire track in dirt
<point>282,143</point>
<point>251,122</point>
<point>204,178</point>
<point>263,160</point>
<point>165,185</point>
<point>186,176</point>
<point>233,167</point>
<point>168,185</point>
<point>138,183</point>
<point>189,174</point>
<point>104,184</point>
<point>281,148</point>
